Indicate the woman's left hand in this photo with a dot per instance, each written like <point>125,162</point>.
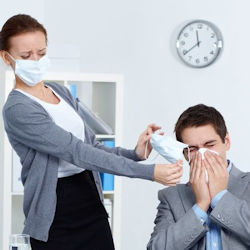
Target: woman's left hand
<point>142,142</point>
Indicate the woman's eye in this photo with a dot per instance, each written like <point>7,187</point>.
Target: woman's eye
<point>24,57</point>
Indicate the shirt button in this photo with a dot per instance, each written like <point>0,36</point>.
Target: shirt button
<point>218,216</point>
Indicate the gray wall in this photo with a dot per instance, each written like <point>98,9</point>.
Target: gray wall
<point>135,38</point>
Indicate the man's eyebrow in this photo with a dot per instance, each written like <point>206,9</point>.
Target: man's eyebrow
<point>42,49</point>
<point>208,142</point>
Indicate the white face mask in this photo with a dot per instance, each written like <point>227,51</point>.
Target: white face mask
<point>202,151</point>
<point>29,71</point>
<point>167,147</point>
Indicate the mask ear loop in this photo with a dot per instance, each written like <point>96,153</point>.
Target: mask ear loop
<point>11,57</point>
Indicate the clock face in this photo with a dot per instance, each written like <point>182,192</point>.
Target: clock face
<point>199,43</point>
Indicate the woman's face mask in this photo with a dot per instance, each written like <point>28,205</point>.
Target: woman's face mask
<point>167,147</point>
<point>29,71</point>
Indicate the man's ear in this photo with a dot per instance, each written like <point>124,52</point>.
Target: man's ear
<point>5,57</point>
<point>227,142</point>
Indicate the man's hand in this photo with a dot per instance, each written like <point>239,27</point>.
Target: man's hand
<point>218,175</point>
<point>198,183</point>
<point>168,174</point>
<point>143,140</point>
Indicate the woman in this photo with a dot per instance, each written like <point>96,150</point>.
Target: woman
<point>60,157</point>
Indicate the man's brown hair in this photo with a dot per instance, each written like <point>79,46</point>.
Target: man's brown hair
<point>201,115</point>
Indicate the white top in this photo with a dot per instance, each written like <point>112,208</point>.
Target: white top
<point>68,119</point>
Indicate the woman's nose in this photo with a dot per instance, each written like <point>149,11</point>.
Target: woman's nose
<point>35,57</point>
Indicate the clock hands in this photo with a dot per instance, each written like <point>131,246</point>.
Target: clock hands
<point>196,45</point>
<point>197,38</point>
<point>184,53</point>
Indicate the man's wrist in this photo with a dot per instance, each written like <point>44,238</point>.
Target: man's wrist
<point>200,213</point>
<point>217,197</point>
<point>203,205</point>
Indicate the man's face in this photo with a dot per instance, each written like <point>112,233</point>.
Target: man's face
<point>205,137</point>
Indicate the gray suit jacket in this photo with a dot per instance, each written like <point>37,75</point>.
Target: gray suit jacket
<point>178,228</point>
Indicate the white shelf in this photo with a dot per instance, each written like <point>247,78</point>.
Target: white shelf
<point>105,136</point>
<point>108,192</point>
<point>99,91</point>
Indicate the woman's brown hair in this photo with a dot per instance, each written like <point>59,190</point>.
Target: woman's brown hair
<point>17,25</point>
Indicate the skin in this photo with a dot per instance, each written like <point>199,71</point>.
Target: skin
<point>32,46</point>
<point>216,165</point>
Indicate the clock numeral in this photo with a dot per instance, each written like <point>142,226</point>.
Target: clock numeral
<point>191,28</point>
<point>197,61</point>
<point>200,26</point>
<point>212,52</point>
<point>183,43</point>
<point>215,45</point>
<point>184,52</point>
<point>212,35</point>
<point>205,59</point>
<point>186,34</point>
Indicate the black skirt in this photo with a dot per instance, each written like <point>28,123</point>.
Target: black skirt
<point>81,221</point>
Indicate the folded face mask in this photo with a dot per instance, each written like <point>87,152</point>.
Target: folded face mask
<point>167,147</point>
<point>202,151</point>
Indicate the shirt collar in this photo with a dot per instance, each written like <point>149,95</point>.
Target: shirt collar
<point>229,166</point>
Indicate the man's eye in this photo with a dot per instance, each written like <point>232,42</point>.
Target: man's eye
<point>193,150</point>
<point>42,54</point>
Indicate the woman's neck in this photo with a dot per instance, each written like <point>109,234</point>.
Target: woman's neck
<point>38,90</point>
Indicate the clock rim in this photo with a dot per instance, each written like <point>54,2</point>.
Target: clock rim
<point>218,34</point>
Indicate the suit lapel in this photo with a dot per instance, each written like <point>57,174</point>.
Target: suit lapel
<point>187,196</point>
<point>237,182</point>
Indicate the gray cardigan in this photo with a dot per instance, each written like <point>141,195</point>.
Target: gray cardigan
<point>40,143</point>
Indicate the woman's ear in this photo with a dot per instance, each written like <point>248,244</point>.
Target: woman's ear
<point>227,142</point>
<point>5,57</point>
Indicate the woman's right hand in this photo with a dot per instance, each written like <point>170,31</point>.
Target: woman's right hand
<point>168,174</point>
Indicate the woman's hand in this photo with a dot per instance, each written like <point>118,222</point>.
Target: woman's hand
<point>144,142</point>
<point>168,174</point>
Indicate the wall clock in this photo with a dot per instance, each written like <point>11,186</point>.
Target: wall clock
<point>199,43</point>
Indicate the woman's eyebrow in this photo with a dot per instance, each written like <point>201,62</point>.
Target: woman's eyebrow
<point>25,52</point>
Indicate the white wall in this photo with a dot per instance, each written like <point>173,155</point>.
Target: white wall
<point>135,38</point>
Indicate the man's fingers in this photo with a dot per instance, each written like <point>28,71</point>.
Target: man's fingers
<point>192,169</point>
<point>198,168</point>
<point>211,161</point>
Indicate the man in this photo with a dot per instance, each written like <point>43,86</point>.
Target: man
<point>201,215</point>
